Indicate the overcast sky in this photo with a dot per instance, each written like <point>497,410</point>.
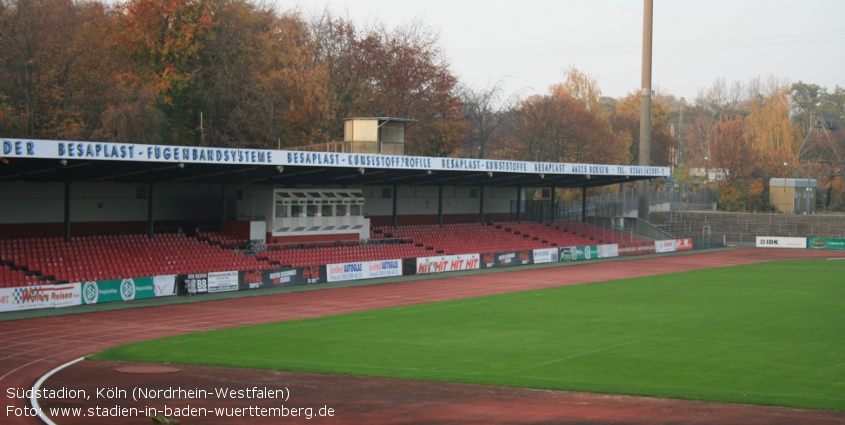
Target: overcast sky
<point>528,43</point>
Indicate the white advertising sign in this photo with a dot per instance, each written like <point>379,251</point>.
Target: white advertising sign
<point>781,242</point>
<point>608,251</point>
<point>41,296</point>
<point>447,263</point>
<point>664,246</point>
<point>223,281</point>
<point>87,150</point>
<point>164,286</point>
<point>545,255</point>
<point>363,270</point>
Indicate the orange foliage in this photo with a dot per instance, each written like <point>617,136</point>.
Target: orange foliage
<point>731,150</point>
<point>626,126</point>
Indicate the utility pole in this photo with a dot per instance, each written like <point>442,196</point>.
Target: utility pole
<point>680,130</point>
<point>645,111</point>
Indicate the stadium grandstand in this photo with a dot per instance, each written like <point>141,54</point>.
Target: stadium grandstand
<point>89,211</point>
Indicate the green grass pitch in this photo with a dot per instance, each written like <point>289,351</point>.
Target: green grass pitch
<point>771,333</point>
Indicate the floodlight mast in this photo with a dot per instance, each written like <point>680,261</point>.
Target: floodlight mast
<point>643,200</point>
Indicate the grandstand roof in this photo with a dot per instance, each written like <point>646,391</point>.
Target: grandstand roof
<point>51,160</point>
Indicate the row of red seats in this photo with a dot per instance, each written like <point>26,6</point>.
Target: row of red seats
<point>462,238</point>
<point>299,257</point>
<point>505,236</point>
<point>573,233</point>
<point>222,239</point>
<point>120,256</point>
<point>10,278</point>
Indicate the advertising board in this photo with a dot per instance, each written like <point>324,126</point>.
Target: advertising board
<point>40,296</point>
<point>545,255</point>
<point>781,242</point>
<point>195,283</point>
<point>607,251</point>
<point>165,285</point>
<point>505,259</point>
<point>667,245</point>
<point>684,244</point>
<point>575,253</point>
<point>273,278</point>
<point>363,270</point>
<point>447,263</point>
<point>826,243</point>
<point>222,281</point>
<point>107,291</point>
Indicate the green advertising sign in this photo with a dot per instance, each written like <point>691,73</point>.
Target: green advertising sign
<point>574,253</point>
<point>825,243</point>
<point>106,291</point>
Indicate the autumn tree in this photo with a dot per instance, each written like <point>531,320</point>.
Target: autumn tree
<point>559,128</point>
<point>42,71</point>
<point>731,150</point>
<point>774,136</point>
<point>584,87</point>
<point>733,154</point>
<point>484,111</point>
<point>626,128</point>
<point>399,72</point>
<point>696,139</point>
<point>735,98</point>
<point>261,83</point>
<point>164,40</point>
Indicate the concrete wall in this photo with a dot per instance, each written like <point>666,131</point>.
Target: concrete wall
<point>94,202</point>
<point>25,205</point>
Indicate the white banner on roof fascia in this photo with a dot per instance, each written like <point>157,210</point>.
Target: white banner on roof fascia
<point>56,149</point>
<point>447,263</point>
<point>781,242</point>
<point>545,255</point>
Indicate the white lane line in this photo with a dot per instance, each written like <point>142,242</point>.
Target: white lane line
<point>33,400</point>
<point>580,354</point>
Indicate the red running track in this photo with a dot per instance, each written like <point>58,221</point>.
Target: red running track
<point>32,347</point>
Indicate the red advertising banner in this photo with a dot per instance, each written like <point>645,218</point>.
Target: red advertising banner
<point>684,244</point>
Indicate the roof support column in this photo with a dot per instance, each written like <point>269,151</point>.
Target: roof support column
<point>519,204</point>
<point>481,204</point>
<point>150,186</point>
<point>440,205</point>
<point>223,212</point>
<point>552,201</point>
<point>584,204</point>
<point>67,211</point>
<point>395,206</point>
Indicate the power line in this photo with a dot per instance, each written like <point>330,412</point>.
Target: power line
<point>670,47</point>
